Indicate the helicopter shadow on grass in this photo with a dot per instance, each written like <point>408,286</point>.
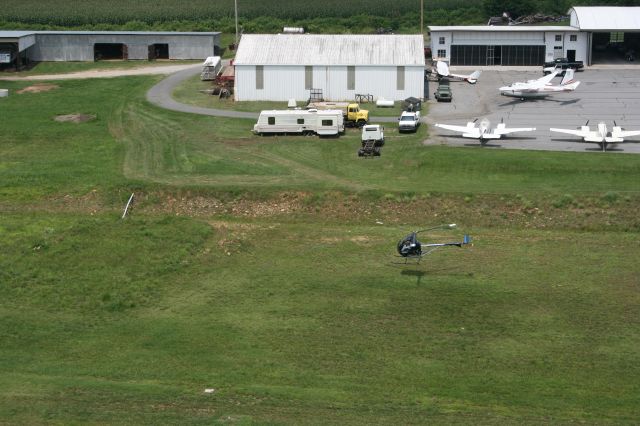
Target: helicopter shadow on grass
<point>416,270</point>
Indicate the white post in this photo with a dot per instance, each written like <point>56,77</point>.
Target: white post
<point>126,208</point>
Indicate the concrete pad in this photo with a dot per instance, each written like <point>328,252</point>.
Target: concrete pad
<point>603,95</point>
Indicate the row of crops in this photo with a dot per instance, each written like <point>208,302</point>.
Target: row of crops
<point>87,12</point>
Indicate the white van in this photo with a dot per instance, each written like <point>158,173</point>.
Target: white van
<point>305,121</point>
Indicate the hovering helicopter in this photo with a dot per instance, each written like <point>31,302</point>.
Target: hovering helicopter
<point>410,248</point>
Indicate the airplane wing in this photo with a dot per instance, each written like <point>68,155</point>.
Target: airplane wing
<point>624,133</point>
<point>505,131</point>
<point>587,135</point>
<point>543,81</point>
<point>467,131</point>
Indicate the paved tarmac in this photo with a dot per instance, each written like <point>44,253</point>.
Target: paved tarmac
<point>603,95</point>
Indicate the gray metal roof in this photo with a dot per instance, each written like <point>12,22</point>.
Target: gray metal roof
<point>609,18</point>
<point>17,34</point>
<point>505,28</point>
<point>330,49</point>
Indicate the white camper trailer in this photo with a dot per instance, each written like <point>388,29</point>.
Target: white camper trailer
<point>211,68</point>
<point>305,121</point>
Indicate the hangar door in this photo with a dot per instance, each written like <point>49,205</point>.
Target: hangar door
<point>497,55</point>
<point>614,47</point>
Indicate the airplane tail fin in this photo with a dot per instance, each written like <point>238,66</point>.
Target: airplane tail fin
<point>474,76</point>
<point>466,239</point>
<point>568,77</point>
<point>572,86</point>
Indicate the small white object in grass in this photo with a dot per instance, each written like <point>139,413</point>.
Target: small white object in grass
<point>4,93</point>
<point>379,222</point>
<point>209,390</point>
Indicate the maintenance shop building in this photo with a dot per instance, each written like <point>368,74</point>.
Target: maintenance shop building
<point>594,35</point>
<point>287,66</point>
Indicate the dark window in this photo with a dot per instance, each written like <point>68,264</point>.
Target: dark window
<point>327,122</point>
<point>259,77</point>
<point>400,78</point>
<point>351,78</point>
<point>271,121</point>
<point>558,37</point>
<point>441,40</point>
<point>498,55</point>
<point>300,120</point>
<point>573,37</point>
<point>308,77</point>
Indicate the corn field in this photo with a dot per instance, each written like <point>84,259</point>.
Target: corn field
<point>67,13</point>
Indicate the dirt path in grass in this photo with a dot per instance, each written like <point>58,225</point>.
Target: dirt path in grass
<point>105,73</point>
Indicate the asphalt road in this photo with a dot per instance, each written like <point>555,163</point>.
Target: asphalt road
<point>160,95</point>
<point>603,95</point>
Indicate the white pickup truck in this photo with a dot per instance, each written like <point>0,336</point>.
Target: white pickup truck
<point>409,121</point>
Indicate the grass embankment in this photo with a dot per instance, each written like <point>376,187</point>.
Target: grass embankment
<point>278,288</point>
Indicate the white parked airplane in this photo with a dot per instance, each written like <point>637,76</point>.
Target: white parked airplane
<point>600,135</point>
<point>541,87</point>
<point>443,71</point>
<point>483,131</point>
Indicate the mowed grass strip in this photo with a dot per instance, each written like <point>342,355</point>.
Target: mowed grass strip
<point>176,149</point>
<point>106,320</point>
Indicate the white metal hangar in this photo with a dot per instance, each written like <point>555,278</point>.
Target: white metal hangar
<point>594,35</point>
<point>287,66</point>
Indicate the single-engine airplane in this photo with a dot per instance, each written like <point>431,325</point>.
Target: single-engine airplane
<point>442,69</point>
<point>410,248</point>
<point>600,135</point>
<point>483,131</point>
<point>541,87</point>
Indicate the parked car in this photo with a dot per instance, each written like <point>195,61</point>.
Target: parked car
<point>443,93</point>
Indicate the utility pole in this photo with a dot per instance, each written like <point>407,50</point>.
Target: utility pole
<point>235,4</point>
<point>422,17</point>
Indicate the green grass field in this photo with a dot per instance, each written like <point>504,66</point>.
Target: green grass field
<point>264,268</point>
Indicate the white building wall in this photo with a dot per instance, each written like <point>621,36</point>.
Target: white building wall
<point>513,38</point>
<point>436,38</point>
<point>580,45</point>
<point>282,82</point>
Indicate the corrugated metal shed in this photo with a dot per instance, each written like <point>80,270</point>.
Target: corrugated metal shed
<point>15,34</point>
<point>597,18</point>
<point>325,49</point>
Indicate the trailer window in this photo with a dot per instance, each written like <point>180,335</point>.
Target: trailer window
<point>271,121</point>
<point>300,120</point>
<point>327,122</point>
